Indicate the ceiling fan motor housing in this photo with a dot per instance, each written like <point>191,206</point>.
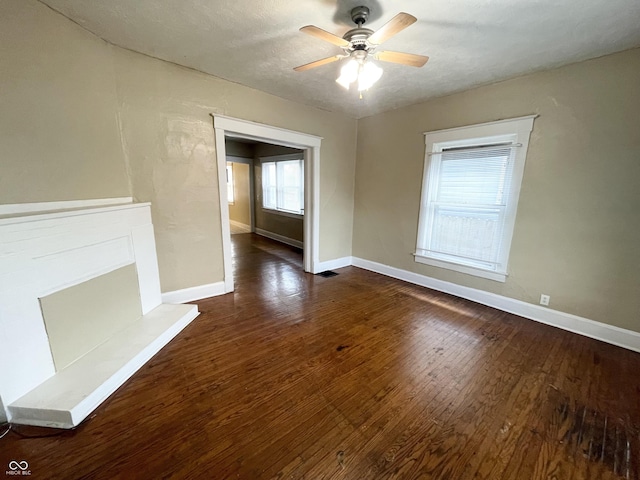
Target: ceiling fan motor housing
<point>357,37</point>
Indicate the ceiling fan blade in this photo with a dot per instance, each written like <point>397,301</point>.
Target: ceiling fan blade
<point>392,27</point>
<point>403,58</point>
<point>324,35</point>
<point>318,63</point>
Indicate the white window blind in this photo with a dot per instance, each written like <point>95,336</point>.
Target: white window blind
<point>470,193</point>
<point>283,186</point>
<point>269,186</point>
<point>469,205</point>
<point>230,184</point>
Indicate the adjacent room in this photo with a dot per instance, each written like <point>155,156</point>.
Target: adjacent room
<point>357,240</point>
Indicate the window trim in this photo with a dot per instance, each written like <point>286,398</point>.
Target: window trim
<point>282,158</point>
<point>517,131</point>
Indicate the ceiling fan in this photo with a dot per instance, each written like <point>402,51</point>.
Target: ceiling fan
<point>359,45</point>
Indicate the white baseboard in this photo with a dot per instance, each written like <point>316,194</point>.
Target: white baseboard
<point>240,227</point>
<point>280,238</point>
<point>192,294</point>
<point>566,321</point>
<point>333,264</point>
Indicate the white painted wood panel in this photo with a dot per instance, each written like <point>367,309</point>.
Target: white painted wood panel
<point>144,246</point>
<point>43,252</point>
<point>22,208</point>
<point>68,397</point>
<point>60,270</point>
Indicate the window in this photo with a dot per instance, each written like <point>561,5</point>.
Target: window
<point>230,184</point>
<point>283,184</point>
<point>470,192</point>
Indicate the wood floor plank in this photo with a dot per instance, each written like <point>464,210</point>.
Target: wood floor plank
<point>467,423</point>
<point>356,376</point>
<point>408,425</point>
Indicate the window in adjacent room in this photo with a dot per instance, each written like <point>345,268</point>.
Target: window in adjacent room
<point>230,184</point>
<point>283,184</point>
<point>470,193</point>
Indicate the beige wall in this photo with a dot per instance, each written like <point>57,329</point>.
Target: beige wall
<point>171,151</point>
<point>240,211</point>
<point>59,132</point>
<point>73,107</point>
<point>577,233</point>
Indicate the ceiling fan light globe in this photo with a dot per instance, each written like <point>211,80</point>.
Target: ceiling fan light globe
<point>370,73</point>
<point>350,70</point>
<point>343,82</point>
<point>348,73</point>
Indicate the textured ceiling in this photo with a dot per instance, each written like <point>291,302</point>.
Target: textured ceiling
<point>257,43</point>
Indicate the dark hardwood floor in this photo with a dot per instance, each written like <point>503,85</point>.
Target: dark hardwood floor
<point>356,376</point>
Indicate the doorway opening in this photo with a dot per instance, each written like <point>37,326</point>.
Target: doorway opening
<point>265,190</point>
<point>284,145</point>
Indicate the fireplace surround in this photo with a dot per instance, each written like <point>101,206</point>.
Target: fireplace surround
<point>91,266</point>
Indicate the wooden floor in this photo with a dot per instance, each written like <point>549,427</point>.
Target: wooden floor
<point>357,376</point>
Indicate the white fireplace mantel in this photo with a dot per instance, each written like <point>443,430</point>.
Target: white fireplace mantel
<point>47,248</point>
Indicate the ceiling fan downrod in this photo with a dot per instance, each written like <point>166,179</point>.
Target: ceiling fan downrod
<point>360,15</point>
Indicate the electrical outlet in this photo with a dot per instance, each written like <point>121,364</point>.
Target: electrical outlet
<point>544,299</point>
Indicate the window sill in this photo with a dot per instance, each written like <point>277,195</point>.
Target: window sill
<point>284,214</point>
<point>477,272</point>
